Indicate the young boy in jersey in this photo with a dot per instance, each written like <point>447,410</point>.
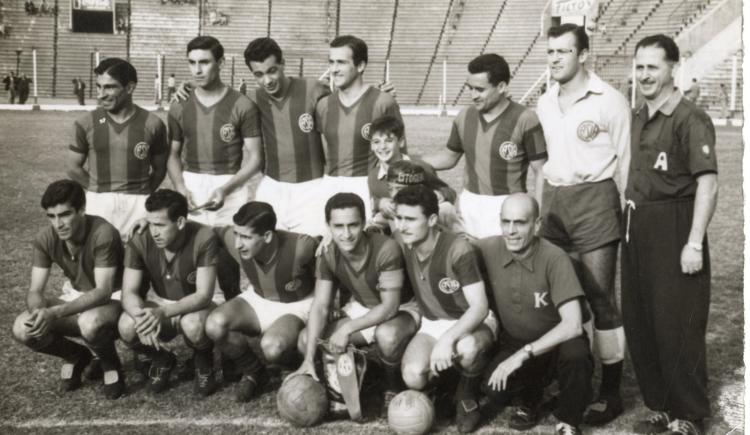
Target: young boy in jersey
<point>457,327</point>
<point>125,147</point>
<point>89,251</point>
<point>280,266</point>
<point>179,258</point>
<point>370,269</point>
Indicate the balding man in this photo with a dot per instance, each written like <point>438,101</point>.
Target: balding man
<point>538,299</point>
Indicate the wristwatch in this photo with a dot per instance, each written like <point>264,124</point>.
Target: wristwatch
<point>695,245</point>
<point>529,351</point>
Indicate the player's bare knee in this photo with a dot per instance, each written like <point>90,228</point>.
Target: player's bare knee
<point>388,338</point>
<point>126,328</point>
<point>273,348</point>
<point>92,325</point>
<point>193,328</point>
<point>415,376</point>
<point>217,326</point>
<point>19,328</point>
<point>468,349</point>
<point>302,341</point>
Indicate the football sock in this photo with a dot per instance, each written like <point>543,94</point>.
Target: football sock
<point>204,358</point>
<point>249,363</point>
<point>611,377</point>
<point>107,355</point>
<point>391,374</point>
<point>62,347</point>
<point>468,386</point>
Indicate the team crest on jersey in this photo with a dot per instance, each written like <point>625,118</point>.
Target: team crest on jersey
<point>345,365</point>
<point>191,278</point>
<point>448,285</point>
<point>140,151</point>
<point>508,150</point>
<point>306,122</point>
<point>587,131</point>
<point>366,131</point>
<point>293,285</point>
<point>227,133</point>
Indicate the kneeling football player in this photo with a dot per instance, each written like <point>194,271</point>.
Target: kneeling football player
<point>179,258</point>
<point>89,251</point>
<point>369,267</point>
<point>457,327</point>
<point>538,298</point>
<point>280,266</point>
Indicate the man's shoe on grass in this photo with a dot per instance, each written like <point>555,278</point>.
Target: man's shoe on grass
<point>685,427</point>
<point>658,422</point>
<point>93,371</point>
<point>523,418</point>
<point>246,388</point>
<point>70,373</point>
<point>467,415</point>
<point>160,371</point>
<point>566,429</point>
<point>205,383</point>
<point>142,364</point>
<point>114,384</point>
<point>603,410</point>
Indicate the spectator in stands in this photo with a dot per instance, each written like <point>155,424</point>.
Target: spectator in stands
<point>30,7</point>
<point>694,92</point>
<point>23,89</point>
<point>171,87</point>
<point>44,9</point>
<point>11,85</point>
<point>724,102</point>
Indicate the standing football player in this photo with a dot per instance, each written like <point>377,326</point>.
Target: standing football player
<point>587,127</point>
<point>344,117</point>
<point>666,271</point>
<point>500,138</point>
<point>125,147</point>
<point>457,328</point>
<point>89,251</point>
<point>280,266</point>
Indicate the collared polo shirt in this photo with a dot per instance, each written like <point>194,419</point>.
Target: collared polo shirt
<point>439,280</point>
<point>381,270</point>
<point>497,152</point>
<point>528,292</point>
<point>289,275</point>
<point>670,149</point>
<point>213,136</point>
<point>292,147</point>
<point>100,246</point>
<point>174,279</point>
<point>588,142</point>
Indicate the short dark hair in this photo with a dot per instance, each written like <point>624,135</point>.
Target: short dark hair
<point>206,43</point>
<point>175,203</point>
<point>345,200</point>
<point>582,39</point>
<point>420,195</point>
<point>494,65</point>
<point>260,49</point>
<point>671,50</point>
<point>257,215</point>
<point>119,69</point>
<point>64,192</point>
<point>358,47</point>
<point>387,124</point>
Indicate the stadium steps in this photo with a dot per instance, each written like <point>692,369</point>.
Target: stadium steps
<point>371,21</point>
<point>413,46</point>
<point>26,32</point>
<point>710,95</point>
<point>165,29</point>
<point>303,32</point>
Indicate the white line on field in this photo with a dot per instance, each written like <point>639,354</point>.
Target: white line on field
<point>272,423</point>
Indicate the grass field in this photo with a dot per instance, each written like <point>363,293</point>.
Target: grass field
<point>32,152</point>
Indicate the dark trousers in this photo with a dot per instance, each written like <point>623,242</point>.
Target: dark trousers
<point>570,363</point>
<point>664,310</point>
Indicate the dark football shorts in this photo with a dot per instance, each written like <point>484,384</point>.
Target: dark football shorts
<point>583,217</point>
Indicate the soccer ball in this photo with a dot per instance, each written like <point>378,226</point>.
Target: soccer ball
<point>302,401</point>
<point>411,412</point>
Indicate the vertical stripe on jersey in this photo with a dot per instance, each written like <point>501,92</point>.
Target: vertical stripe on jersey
<point>332,134</point>
<point>103,155</point>
<point>295,108</point>
<point>223,110</point>
<point>270,134</point>
<point>138,170</point>
<point>285,270</point>
<point>500,171</point>
<point>190,117</point>
<point>361,153</point>
<point>470,126</point>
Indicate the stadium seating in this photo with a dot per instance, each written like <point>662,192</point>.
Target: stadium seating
<point>710,95</point>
